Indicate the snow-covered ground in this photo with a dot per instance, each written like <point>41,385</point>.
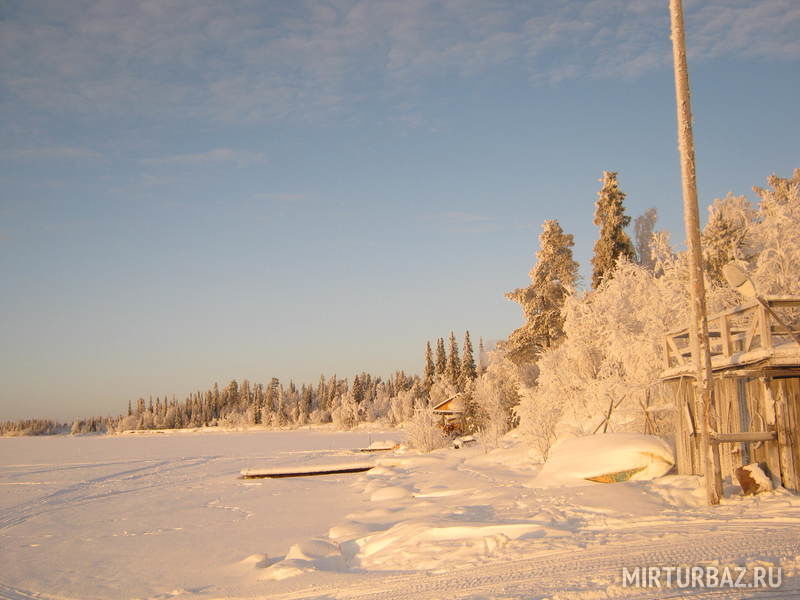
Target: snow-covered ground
<point>165,516</point>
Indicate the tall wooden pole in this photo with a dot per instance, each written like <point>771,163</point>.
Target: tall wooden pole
<point>698,332</point>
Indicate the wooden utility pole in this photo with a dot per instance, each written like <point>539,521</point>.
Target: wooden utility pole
<point>698,332</point>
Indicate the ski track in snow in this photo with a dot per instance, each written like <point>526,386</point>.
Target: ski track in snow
<point>586,573</point>
<point>96,488</point>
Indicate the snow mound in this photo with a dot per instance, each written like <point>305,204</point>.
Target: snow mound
<point>393,492</point>
<point>682,491</point>
<point>349,530</point>
<point>591,456</point>
<point>316,554</point>
<point>432,544</point>
<point>258,561</point>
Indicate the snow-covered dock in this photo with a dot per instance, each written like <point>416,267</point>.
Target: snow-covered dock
<point>306,471</point>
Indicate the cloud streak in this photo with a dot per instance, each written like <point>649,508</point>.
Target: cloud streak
<point>217,156</point>
<point>52,153</point>
<point>304,60</point>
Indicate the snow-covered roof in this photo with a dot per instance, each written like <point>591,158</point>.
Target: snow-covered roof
<point>454,404</point>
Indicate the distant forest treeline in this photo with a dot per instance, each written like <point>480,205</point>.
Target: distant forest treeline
<point>239,404</point>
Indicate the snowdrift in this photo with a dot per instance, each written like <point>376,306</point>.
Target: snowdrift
<point>606,458</point>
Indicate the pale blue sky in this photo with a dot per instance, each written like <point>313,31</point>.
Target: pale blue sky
<point>196,191</point>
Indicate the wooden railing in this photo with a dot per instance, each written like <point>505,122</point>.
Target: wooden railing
<point>742,329</point>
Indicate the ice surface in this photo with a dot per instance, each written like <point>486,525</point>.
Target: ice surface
<point>135,516</point>
<point>165,516</point>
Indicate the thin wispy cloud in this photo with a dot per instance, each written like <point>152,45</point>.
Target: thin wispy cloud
<point>261,62</point>
<point>240,158</point>
<point>52,153</point>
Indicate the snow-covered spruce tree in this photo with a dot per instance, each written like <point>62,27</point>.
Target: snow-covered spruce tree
<point>552,278</point>
<point>468,370</point>
<point>610,217</point>
<point>453,363</point>
<point>481,357</point>
<point>430,369</point>
<point>644,228</point>
<point>441,359</point>
<point>345,413</point>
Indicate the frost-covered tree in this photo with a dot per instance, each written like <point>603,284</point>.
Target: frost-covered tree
<point>610,217</point>
<point>611,353</point>
<point>552,278</point>
<point>725,236</point>
<point>776,236</point>
<point>644,228</point>
<point>453,363</point>
<point>430,368</point>
<point>481,357</point>
<point>423,430</point>
<point>441,358</point>
<point>492,398</point>
<point>468,370</point>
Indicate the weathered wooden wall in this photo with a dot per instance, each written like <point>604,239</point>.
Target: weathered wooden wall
<point>744,404</point>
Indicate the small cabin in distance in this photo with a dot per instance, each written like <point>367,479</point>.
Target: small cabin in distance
<point>451,413</point>
<point>755,413</point>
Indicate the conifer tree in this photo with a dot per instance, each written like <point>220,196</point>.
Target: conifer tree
<point>468,370</point>
<point>552,278</point>
<point>481,357</point>
<point>430,369</point>
<point>644,227</point>
<point>610,217</point>
<point>441,358</point>
<point>358,389</point>
<point>453,364</point>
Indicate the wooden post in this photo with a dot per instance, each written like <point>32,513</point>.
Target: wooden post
<point>772,447</point>
<point>698,331</point>
<point>765,330</point>
<point>725,335</point>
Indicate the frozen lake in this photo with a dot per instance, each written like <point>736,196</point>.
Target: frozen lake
<point>140,516</point>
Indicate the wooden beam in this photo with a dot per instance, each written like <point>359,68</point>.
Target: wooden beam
<point>751,333</point>
<point>746,436</point>
<point>763,326</point>
<point>725,331</point>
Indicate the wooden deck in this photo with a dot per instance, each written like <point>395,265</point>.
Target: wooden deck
<point>741,336</point>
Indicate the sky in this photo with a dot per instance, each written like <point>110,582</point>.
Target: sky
<point>197,191</point>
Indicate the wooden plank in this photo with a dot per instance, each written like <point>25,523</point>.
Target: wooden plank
<point>763,327</point>
<point>744,436</point>
<point>791,394</point>
<point>722,396</point>
<point>786,439</point>
<point>773,457</point>
<point>751,333</point>
<point>676,353</point>
<point>725,332</point>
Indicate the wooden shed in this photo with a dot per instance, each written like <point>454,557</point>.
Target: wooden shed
<point>755,411</point>
<point>451,412</point>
